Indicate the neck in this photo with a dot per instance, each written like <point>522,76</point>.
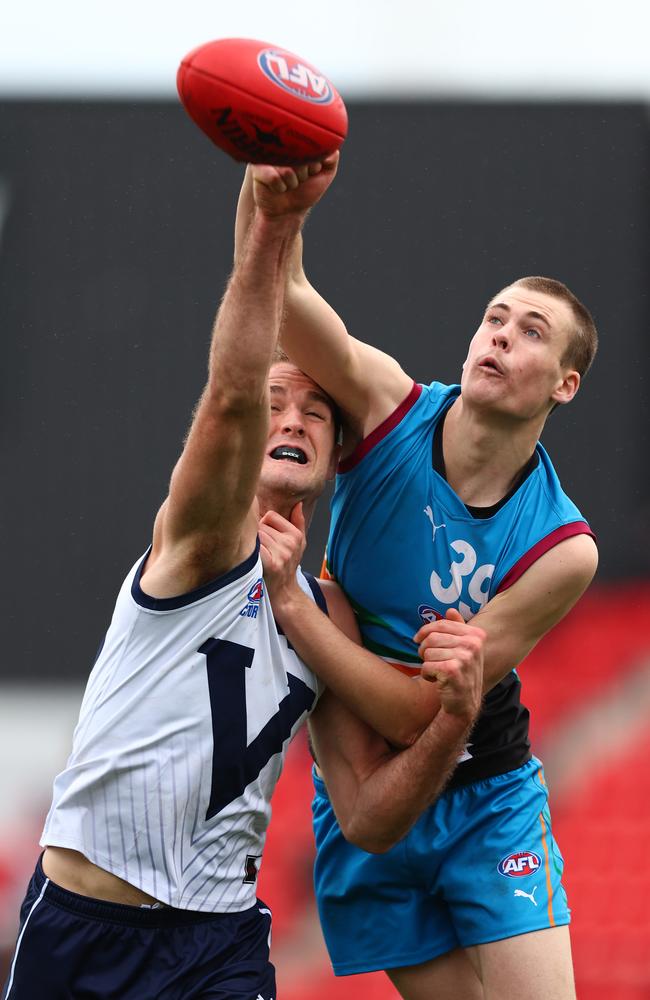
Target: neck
<point>283,504</point>
<point>484,455</point>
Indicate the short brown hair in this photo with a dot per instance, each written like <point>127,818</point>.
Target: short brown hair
<point>279,356</point>
<point>583,337</point>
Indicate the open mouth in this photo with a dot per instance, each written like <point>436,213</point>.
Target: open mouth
<point>491,365</point>
<point>284,453</point>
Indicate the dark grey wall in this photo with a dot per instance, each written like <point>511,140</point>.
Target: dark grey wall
<point>114,253</point>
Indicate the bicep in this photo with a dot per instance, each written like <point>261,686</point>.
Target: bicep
<point>340,611</point>
<point>516,619</point>
<point>214,481</point>
<point>367,384</point>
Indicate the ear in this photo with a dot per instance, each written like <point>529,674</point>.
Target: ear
<point>566,389</point>
<point>334,461</point>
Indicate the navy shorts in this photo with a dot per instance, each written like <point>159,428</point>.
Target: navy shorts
<point>72,947</point>
<point>480,865</point>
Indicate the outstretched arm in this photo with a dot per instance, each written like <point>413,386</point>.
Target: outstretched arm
<point>208,524</point>
<point>367,384</point>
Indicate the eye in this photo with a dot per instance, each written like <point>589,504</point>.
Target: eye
<point>316,414</point>
<point>533,333</point>
<point>275,408</point>
<point>495,320</point>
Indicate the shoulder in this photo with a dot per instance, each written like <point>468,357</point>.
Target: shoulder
<point>546,474</point>
<point>340,609</point>
<point>415,413</point>
<point>558,577</point>
<point>573,562</point>
<point>181,564</point>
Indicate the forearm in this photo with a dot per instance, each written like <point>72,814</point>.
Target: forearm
<point>247,324</point>
<point>396,706</point>
<point>302,336</point>
<point>389,800</point>
<point>312,333</point>
<point>244,216</point>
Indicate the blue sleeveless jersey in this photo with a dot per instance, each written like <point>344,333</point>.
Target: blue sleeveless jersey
<point>405,549</point>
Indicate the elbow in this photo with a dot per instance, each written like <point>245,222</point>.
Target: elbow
<point>405,736</point>
<point>367,838</point>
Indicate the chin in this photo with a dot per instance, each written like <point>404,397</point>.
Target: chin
<point>485,394</point>
<point>287,479</point>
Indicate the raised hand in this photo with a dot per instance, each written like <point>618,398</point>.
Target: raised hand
<point>282,544</point>
<point>286,190</point>
<point>452,655</point>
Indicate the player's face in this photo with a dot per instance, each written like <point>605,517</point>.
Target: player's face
<point>301,454</point>
<point>514,361</point>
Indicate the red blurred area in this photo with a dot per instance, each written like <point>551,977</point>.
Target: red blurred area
<point>602,826</point>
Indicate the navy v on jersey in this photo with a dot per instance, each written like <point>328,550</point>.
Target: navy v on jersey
<point>183,728</point>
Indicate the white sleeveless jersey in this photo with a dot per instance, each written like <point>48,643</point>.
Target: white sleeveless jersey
<point>183,728</point>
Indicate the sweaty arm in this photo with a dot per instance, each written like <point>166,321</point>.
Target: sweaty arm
<point>515,620</point>
<point>366,383</point>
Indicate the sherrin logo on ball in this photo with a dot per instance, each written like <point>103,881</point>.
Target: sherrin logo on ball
<point>295,77</point>
<point>519,864</point>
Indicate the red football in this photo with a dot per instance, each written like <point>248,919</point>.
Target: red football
<point>260,103</point>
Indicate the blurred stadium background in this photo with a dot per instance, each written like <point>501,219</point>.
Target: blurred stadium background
<point>486,142</point>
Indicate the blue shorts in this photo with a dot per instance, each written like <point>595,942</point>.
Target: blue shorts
<point>73,946</point>
<point>480,865</point>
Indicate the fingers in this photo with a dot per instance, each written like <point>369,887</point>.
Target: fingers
<point>281,525</point>
<point>457,644</point>
<point>275,520</point>
<point>290,541</point>
<point>454,615</point>
<point>443,673</point>
<point>278,555</point>
<point>281,179</point>
<point>331,162</point>
<point>281,542</point>
<point>459,686</point>
<point>441,654</point>
<point>265,553</point>
<point>448,626</point>
<point>297,518</point>
<point>452,657</point>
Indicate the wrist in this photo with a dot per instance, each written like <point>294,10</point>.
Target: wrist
<point>451,726</point>
<point>281,225</point>
<point>285,602</point>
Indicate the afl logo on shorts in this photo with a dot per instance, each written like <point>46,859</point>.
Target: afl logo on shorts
<point>519,864</point>
<point>295,77</point>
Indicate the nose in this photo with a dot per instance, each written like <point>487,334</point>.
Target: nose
<point>292,422</point>
<point>501,338</point>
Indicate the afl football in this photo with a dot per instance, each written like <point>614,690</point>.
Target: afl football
<point>260,103</point>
